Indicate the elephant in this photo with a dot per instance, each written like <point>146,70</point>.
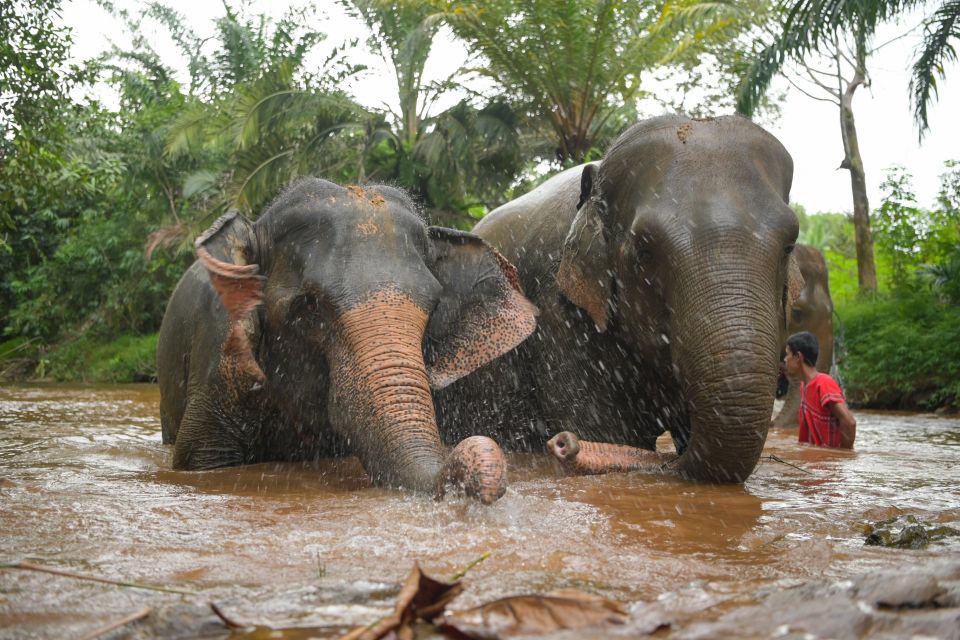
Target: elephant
<point>813,312</point>
<point>321,329</point>
<point>662,273</point>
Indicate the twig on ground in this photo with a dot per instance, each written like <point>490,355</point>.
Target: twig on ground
<point>29,566</point>
<point>133,617</point>
<point>227,620</point>
<point>774,458</point>
<point>463,572</point>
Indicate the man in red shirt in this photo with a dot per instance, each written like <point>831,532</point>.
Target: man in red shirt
<point>825,420</point>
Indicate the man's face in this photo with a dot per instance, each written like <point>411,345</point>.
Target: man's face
<point>792,363</point>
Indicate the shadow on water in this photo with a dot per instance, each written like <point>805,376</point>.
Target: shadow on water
<point>85,486</point>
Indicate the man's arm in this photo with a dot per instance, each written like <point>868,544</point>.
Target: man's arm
<point>847,423</point>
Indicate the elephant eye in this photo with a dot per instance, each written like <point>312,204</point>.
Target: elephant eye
<point>305,308</point>
<point>643,250</point>
<point>787,250</point>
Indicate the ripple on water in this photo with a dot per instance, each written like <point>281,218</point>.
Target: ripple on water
<point>86,486</point>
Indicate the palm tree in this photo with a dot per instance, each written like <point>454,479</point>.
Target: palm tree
<point>844,48</point>
<point>461,158</point>
<point>257,114</point>
<point>937,50</point>
<point>810,22</point>
<point>576,64</point>
<point>403,33</point>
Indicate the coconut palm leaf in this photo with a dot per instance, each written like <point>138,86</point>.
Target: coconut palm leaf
<point>936,52</point>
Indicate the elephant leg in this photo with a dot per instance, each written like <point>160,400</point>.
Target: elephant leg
<point>787,418</point>
<point>477,467</point>
<point>211,436</point>
<point>581,457</point>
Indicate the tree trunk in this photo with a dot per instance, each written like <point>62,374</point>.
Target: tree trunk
<point>866,267</point>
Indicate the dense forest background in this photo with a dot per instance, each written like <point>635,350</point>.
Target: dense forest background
<point>99,203</point>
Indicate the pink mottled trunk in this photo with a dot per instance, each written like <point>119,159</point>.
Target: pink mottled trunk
<point>383,404</point>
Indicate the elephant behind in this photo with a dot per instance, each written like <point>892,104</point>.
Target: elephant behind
<point>321,328</point>
<point>812,311</point>
<point>662,275</point>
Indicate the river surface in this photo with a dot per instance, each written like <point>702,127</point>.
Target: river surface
<point>86,486</point>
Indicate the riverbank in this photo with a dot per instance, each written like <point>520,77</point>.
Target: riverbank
<point>904,364</point>
<point>83,359</point>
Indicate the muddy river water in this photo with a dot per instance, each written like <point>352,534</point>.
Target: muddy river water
<point>86,487</point>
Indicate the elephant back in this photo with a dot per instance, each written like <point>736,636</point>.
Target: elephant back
<point>530,230</point>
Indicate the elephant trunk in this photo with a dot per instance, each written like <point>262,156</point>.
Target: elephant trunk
<point>726,353</point>
<point>381,401</point>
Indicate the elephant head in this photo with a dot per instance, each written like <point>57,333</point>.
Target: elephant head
<point>811,310</point>
<point>347,309</point>
<point>681,247</point>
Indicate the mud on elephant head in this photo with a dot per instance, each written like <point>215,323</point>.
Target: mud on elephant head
<point>321,328</point>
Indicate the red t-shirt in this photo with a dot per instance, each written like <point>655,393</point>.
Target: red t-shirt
<point>817,424</point>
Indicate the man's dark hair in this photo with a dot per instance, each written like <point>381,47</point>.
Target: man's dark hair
<point>805,343</point>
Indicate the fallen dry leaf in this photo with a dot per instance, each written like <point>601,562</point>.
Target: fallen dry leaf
<point>421,597</point>
<point>535,615</point>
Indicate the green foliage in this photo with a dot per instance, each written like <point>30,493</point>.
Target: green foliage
<point>98,207</point>
<point>900,226</point>
<point>902,351</point>
<point>124,359</point>
<point>833,235</point>
<point>403,34</point>
<point>262,119</point>
<point>98,276</point>
<point>576,65</point>
<point>35,82</point>
<point>923,246</point>
<point>35,76</point>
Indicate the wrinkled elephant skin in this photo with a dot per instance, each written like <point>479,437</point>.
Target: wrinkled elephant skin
<point>322,329</point>
<point>663,278</point>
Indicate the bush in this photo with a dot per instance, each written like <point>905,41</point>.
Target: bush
<point>126,359</point>
<point>902,352</point>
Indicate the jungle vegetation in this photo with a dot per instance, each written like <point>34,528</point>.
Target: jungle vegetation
<point>100,198</point>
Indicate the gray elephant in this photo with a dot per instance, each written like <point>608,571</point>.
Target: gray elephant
<point>662,274</point>
<point>812,311</point>
<point>320,330</point>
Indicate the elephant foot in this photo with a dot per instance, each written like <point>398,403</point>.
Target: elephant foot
<point>477,467</point>
<point>580,457</point>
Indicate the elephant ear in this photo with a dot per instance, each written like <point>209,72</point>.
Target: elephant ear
<point>228,250</point>
<point>482,312</point>
<point>794,286</point>
<point>584,273</point>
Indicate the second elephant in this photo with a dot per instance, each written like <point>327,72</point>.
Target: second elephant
<point>812,311</point>
<point>663,277</point>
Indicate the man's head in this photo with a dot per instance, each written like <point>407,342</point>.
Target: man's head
<point>803,345</point>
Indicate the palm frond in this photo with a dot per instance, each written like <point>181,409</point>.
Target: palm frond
<point>813,20</point>
<point>700,15</point>
<point>757,78</point>
<point>937,52</point>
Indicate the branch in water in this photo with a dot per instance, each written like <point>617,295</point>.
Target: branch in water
<point>29,566</point>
